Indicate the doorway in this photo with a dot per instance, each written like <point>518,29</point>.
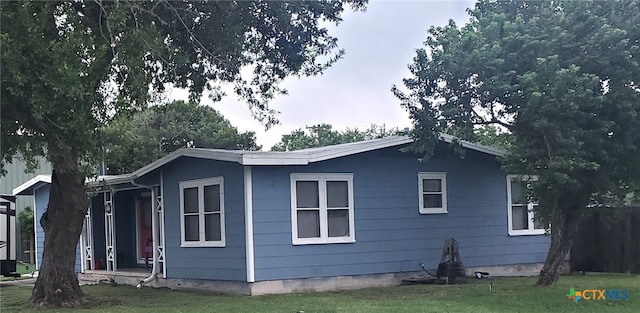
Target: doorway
<point>144,230</point>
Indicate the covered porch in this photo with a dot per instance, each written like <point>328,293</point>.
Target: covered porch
<point>123,232</point>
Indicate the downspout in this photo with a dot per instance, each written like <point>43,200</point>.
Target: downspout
<point>154,233</point>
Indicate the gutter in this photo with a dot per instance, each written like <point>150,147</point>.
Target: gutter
<point>154,233</point>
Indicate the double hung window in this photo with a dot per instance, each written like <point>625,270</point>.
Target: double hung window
<point>432,188</point>
<point>202,213</point>
<point>322,208</point>
<point>521,210</point>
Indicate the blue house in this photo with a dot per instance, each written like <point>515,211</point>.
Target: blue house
<point>339,217</point>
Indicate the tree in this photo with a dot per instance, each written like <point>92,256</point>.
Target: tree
<point>562,77</point>
<point>493,136</point>
<point>70,67</point>
<point>323,135</point>
<point>132,142</point>
<point>25,219</point>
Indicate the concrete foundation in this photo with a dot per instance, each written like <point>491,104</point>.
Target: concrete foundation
<point>319,284</point>
<point>507,270</point>
<point>328,283</point>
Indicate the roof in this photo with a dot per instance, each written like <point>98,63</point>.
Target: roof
<point>28,187</point>
<point>111,179</point>
<point>474,146</point>
<point>304,156</point>
<point>298,157</point>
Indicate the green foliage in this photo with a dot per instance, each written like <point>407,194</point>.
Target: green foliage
<point>136,140</point>
<point>70,67</point>
<point>488,135</point>
<point>323,135</point>
<point>25,219</point>
<point>493,136</point>
<point>561,77</point>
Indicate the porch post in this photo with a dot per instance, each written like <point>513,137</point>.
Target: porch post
<point>109,230</point>
<point>158,211</point>
<point>154,230</point>
<point>86,243</point>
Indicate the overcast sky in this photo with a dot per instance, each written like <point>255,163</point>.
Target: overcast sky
<point>355,91</point>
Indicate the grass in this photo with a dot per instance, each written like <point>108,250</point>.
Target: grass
<point>508,295</point>
<point>21,269</point>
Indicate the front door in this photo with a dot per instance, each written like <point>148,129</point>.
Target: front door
<point>145,237</point>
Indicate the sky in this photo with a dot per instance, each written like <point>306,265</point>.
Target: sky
<point>356,91</point>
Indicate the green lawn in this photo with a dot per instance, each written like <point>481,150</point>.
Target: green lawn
<point>507,295</point>
<point>21,269</point>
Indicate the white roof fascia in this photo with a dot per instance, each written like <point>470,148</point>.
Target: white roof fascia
<point>46,179</point>
<point>157,163</point>
<point>474,146</point>
<point>364,146</point>
<point>300,157</point>
<point>306,156</point>
<point>214,154</point>
<point>110,180</point>
<point>275,158</point>
<point>31,183</point>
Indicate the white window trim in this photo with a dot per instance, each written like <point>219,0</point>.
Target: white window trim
<point>442,176</point>
<point>200,183</point>
<point>531,230</point>
<point>324,236</point>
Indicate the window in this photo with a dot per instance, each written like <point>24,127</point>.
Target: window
<point>521,211</point>
<point>322,208</point>
<point>202,213</point>
<point>432,188</point>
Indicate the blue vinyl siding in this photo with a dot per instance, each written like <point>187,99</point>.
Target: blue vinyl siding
<point>391,235</point>
<point>16,176</point>
<point>220,263</point>
<point>41,196</point>
<point>41,205</point>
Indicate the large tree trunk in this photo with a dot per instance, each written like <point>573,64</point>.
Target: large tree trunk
<point>561,239</point>
<point>57,284</point>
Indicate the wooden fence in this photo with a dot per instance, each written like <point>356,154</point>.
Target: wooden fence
<point>608,241</point>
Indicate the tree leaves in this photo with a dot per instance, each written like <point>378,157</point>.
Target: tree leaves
<point>132,142</point>
<point>323,135</point>
<point>70,67</point>
<point>559,76</point>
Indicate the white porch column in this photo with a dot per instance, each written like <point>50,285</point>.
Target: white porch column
<point>109,230</point>
<point>86,243</point>
<point>158,210</point>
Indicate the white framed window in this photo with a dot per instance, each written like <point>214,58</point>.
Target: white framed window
<point>322,208</point>
<point>520,209</point>
<point>432,188</point>
<point>202,212</point>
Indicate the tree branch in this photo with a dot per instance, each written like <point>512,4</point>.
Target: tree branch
<point>111,41</point>
<point>495,121</point>
<point>149,12</point>
<point>168,5</point>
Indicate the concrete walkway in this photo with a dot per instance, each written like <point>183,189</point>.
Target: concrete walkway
<point>29,282</point>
